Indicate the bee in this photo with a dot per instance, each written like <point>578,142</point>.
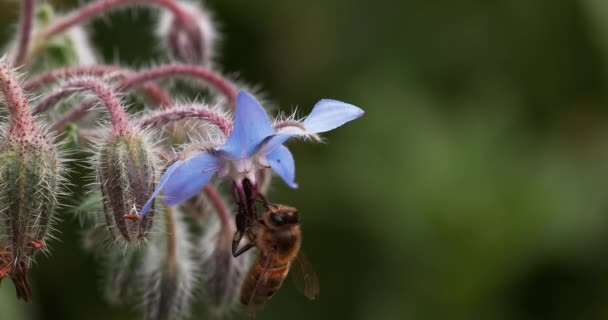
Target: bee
<point>278,237</point>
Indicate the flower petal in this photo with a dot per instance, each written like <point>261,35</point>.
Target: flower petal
<point>282,163</point>
<point>189,178</point>
<point>183,179</point>
<point>251,126</point>
<point>161,184</point>
<point>329,114</point>
<point>271,143</point>
<point>326,115</point>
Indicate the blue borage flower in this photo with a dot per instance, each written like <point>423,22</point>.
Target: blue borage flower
<point>253,145</point>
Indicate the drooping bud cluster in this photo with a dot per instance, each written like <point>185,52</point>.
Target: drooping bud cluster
<point>189,34</point>
<point>29,183</point>
<point>126,169</point>
<point>194,246</point>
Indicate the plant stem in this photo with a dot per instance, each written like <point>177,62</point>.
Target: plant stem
<point>99,7</point>
<point>172,70</point>
<point>145,76</point>
<point>71,71</point>
<point>118,116</point>
<point>180,113</point>
<point>26,21</point>
<point>153,91</point>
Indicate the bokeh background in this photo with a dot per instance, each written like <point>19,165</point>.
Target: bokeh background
<point>475,186</point>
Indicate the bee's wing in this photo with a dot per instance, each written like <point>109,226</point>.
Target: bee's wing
<point>304,276</point>
<point>251,307</point>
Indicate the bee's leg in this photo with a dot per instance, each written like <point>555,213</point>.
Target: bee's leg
<point>236,240</point>
<point>250,195</point>
<point>242,250</point>
<point>250,235</point>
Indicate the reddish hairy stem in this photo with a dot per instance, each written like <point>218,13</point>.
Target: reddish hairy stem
<point>166,71</point>
<point>70,71</point>
<point>172,70</point>
<point>21,121</point>
<point>180,113</point>
<point>154,92</point>
<point>118,116</point>
<point>220,208</point>
<point>99,7</point>
<point>25,31</point>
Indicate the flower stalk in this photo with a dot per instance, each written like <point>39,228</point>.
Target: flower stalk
<point>26,22</point>
<point>142,78</point>
<point>188,112</point>
<point>99,7</point>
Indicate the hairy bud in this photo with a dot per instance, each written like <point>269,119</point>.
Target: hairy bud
<point>190,35</point>
<point>29,173</point>
<point>126,168</point>
<point>29,183</point>
<point>222,274</point>
<point>169,275</point>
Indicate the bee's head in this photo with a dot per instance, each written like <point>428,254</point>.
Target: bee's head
<point>279,215</point>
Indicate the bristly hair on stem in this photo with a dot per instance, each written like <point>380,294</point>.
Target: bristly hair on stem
<point>155,93</point>
<point>104,93</point>
<point>177,113</point>
<point>99,7</point>
<point>144,77</point>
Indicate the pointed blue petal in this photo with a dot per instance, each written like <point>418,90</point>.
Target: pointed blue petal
<point>282,163</point>
<point>329,114</point>
<point>189,178</point>
<point>160,186</point>
<point>271,143</point>
<point>251,126</point>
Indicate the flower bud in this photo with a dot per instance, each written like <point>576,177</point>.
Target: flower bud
<point>126,169</point>
<point>29,175</point>
<point>169,272</point>
<point>189,35</point>
<point>222,274</point>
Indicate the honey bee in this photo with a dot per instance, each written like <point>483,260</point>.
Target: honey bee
<point>278,237</point>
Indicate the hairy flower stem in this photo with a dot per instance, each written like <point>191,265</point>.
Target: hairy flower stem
<point>99,7</point>
<point>49,77</point>
<point>108,98</point>
<point>26,22</point>
<point>145,76</point>
<point>153,91</point>
<point>180,113</point>
<point>217,81</point>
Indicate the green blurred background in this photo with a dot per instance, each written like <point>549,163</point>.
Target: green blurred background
<point>473,188</point>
